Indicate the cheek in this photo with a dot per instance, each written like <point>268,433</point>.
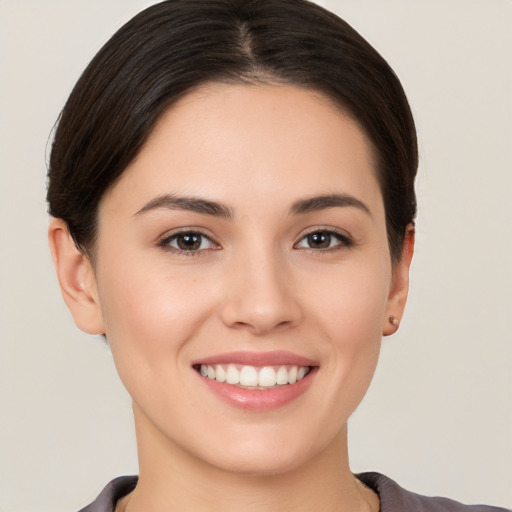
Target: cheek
<point>150,315</point>
<point>352,300</point>
<point>350,313</point>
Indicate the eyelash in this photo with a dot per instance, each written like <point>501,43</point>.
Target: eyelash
<point>344,242</point>
<point>165,243</point>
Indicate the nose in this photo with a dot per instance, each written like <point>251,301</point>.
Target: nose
<point>259,295</point>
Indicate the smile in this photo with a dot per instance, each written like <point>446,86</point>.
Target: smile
<point>257,381</point>
<point>253,377</point>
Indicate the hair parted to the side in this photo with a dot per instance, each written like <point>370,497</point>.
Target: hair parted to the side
<point>171,48</point>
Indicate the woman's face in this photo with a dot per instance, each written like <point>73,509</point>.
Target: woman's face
<point>248,237</point>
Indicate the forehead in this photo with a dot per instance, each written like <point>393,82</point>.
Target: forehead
<point>244,142</point>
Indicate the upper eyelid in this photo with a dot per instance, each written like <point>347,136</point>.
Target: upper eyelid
<point>181,231</point>
<point>163,239</point>
<point>164,243</point>
<point>344,239</point>
<point>327,229</point>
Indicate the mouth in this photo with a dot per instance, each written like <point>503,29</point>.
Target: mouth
<point>254,377</point>
<point>257,382</point>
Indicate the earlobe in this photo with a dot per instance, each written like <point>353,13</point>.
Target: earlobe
<point>399,286</point>
<point>76,278</point>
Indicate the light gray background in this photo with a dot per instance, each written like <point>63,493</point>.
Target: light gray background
<point>438,417</point>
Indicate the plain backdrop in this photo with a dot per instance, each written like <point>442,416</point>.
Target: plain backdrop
<point>438,416</point>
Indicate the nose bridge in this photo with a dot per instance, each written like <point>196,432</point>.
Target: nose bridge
<point>259,292</point>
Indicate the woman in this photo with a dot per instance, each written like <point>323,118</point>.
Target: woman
<point>232,186</point>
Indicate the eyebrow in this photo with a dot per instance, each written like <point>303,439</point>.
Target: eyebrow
<point>215,209</point>
<point>192,204</point>
<point>323,202</point>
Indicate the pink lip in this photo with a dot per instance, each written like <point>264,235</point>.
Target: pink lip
<point>258,400</point>
<point>275,358</point>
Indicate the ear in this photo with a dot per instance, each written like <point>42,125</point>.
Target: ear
<point>399,285</point>
<point>76,278</point>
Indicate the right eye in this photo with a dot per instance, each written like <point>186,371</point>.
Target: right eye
<point>324,240</point>
<point>190,242</point>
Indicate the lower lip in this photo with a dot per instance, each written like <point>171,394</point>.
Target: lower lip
<point>259,400</point>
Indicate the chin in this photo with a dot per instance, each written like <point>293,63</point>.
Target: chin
<point>275,453</point>
<point>260,464</point>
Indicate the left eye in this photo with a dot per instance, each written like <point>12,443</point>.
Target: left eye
<point>188,241</point>
<point>323,240</point>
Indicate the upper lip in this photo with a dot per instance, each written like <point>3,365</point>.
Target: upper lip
<point>247,358</point>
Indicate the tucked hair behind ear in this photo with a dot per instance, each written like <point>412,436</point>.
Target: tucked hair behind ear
<point>175,46</point>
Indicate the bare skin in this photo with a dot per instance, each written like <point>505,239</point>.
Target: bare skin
<point>257,280</point>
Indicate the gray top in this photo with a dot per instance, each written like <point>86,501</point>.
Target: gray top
<point>392,497</point>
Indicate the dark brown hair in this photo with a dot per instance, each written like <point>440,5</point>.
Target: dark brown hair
<point>175,46</point>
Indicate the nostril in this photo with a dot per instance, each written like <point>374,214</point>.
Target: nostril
<point>261,327</point>
<point>259,309</point>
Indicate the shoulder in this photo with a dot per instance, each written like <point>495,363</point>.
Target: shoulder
<point>394,498</point>
<point>111,494</point>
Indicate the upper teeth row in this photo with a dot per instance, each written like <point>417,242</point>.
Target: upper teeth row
<point>266,376</point>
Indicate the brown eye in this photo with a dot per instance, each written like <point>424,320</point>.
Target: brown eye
<point>320,240</point>
<point>323,240</point>
<point>188,241</point>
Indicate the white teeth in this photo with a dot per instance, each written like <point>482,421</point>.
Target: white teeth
<point>250,376</point>
<point>292,375</point>
<point>220,374</point>
<point>281,376</point>
<point>232,375</point>
<point>267,377</point>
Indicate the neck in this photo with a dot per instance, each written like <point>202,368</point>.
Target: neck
<point>172,479</point>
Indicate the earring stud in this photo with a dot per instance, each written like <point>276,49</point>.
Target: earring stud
<point>393,320</point>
